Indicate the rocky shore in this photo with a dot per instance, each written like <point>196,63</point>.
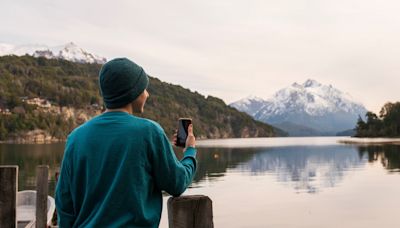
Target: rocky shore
<point>40,136</point>
<point>37,136</point>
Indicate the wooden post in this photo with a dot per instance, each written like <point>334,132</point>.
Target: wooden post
<point>8,196</point>
<point>56,176</point>
<point>190,212</point>
<point>42,175</point>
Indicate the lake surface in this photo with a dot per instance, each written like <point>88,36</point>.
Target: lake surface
<point>273,182</point>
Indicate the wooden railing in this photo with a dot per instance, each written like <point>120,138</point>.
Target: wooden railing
<point>183,212</point>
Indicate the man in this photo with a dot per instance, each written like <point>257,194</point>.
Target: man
<point>116,165</point>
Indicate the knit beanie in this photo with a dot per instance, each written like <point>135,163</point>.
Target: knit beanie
<point>121,82</point>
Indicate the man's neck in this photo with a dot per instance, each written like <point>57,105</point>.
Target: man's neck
<point>127,109</point>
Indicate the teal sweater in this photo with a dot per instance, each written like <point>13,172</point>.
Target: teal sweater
<point>113,171</point>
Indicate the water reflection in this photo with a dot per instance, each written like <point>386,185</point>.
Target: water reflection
<point>306,169</point>
<point>214,163</point>
<point>303,168</point>
<point>387,155</point>
<point>27,157</point>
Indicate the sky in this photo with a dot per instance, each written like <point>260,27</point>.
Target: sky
<point>229,48</point>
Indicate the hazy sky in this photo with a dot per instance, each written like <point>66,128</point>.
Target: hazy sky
<point>229,48</point>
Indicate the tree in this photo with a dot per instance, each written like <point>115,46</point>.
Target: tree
<point>3,130</point>
<point>386,125</point>
<point>391,118</point>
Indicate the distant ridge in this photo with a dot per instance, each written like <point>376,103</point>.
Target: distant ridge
<point>69,51</point>
<point>307,109</point>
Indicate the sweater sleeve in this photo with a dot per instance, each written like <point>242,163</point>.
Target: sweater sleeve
<point>63,197</point>
<point>172,175</point>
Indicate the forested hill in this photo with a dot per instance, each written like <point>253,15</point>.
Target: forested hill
<point>51,97</point>
<point>387,124</point>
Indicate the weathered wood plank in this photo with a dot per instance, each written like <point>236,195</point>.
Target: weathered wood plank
<point>8,196</point>
<point>42,175</point>
<point>56,176</point>
<point>190,212</point>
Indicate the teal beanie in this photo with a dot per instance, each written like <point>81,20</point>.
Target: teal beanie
<point>121,82</point>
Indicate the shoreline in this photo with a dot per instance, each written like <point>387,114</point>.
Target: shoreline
<point>205,142</point>
<point>26,142</point>
<point>370,141</point>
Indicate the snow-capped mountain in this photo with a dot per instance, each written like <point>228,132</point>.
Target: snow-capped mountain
<point>69,51</point>
<point>312,105</point>
<point>250,104</point>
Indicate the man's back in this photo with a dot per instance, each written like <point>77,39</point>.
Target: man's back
<point>114,169</point>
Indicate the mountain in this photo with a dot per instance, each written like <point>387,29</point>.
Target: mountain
<point>310,107</point>
<point>69,51</point>
<point>249,105</point>
<point>350,132</point>
<point>299,130</point>
<point>47,98</point>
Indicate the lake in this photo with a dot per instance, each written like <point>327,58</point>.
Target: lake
<point>273,182</point>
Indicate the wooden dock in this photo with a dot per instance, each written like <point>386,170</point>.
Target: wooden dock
<point>183,212</point>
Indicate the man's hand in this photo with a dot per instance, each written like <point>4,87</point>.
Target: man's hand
<point>190,141</point>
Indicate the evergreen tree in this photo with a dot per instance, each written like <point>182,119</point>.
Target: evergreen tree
<point>386,125</point>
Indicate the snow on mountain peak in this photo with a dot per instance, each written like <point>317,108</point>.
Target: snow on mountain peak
<point>305,103</point>
<point>311,83</point>
<point>313,98</point>
<point>69,51</point>
<point>249,104</point>
<point>296,85</point>
<point>254,98</point>
<point>5,48</point>
<point>71,45</point>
